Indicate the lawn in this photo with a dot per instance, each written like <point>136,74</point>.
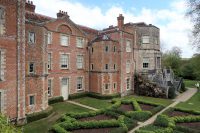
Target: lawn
<point>93,102</point>
<point>192,104</point>
<point>190,83</point>
<point>42,126</point>
<point>161,101</point>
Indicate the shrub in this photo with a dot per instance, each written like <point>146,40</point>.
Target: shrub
<point>183,89</point>
<point>99,96</point>
<point>136,105</point>
<point>56,128</point>
<point>164,121</point>
<point>78,95</point>
<point>171,92</point>
<point>139,115</point>
<point>157,109</point>
<point>6,127</point>
<point>180,119</point>
<point>186,130</point>
<point>188,111</point>
<point>55,100</point>
<point>39,115</point>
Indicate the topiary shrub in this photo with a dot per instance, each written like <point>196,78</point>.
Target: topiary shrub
<point>55,100</point>
<point>39,115</point>
<point>164,121</point>
<point>171,92</point>
<point>139,115</point>
<point>183,88</point>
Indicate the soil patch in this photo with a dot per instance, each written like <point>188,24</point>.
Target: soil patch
<point>99,130</point>
<point>126,107</point>
<point>146,107</point>
<point>192,125</point>
<point>178,113</point>
<point>97,117</point>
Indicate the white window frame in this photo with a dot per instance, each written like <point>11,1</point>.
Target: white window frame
<point>80,42</point>
<point>106,66</point>
<point>114,66</point>
<point>49,61</point>
<point>92,66</point>
<point>106,48</point>
<point>128,84</point>
<point>80,61</point>
<point>79,83</point>
<point>145,39</point>
<point>33,72</point>
<point>2,21</point>
<point>49,37</point>
<point>33,99</point>
<point>145,64</point>
<point>50,88</point>
<point>108,85</point>
<point>66,42</point>
<point>66,61</point>
<point>2,65</point>
<point>114,85</point>
<point>128,66</point>
<point>31,37</point>
<point>128,45</point>
<point>114,48</point>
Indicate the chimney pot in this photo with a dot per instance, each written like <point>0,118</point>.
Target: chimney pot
<point>31,2</point>
<point>120,21</point>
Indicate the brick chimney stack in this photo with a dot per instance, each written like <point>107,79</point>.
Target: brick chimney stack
<point>29,6</point>
<point>120,21</point>
<point>61,14</point>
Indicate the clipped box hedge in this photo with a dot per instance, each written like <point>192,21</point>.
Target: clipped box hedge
<point>94,95</point>
<point>55,100</point>
<point>39,115</point>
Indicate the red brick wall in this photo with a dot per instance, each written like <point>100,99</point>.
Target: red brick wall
<point>56,73</point>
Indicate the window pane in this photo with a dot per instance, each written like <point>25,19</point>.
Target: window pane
<point>128,46</point>
<point>31,68</point>
<point>145,39</point>
<point>80,61</point>
<point>32,100</point>
<point>49,87</point>
<point>80,42</point>
<point>31,37</point>
<point>79,83</point>
<point>64,61</point>
<point>64,40</point>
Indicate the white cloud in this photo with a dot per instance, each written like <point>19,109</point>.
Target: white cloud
<point>173,24</point>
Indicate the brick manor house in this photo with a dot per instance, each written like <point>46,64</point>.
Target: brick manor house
<point>43,57</point>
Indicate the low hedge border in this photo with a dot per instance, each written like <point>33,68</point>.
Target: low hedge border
<point>94,95</point>
<point>186,129</point>
<point>55,100</point>
<point>139,115</point>
<point>70,122</point>
<point>39,115</point>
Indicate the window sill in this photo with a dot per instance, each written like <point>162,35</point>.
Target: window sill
<point>80,90</point>
<point>64,45</point>
<point>64,68</point>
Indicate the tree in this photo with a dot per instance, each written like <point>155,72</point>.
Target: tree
<point>194,14</point>
<point>172,59</point>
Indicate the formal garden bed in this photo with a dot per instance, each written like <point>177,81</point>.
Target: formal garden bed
<point>175,120</point>
<point>107,121</point>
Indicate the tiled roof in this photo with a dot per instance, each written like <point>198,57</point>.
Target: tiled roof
<point>31,16</point>
<point>88,29</point>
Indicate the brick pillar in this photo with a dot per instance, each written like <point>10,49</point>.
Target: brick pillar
<point>20,61</point>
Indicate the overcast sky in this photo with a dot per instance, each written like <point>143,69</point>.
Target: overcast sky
<point>168,15</point>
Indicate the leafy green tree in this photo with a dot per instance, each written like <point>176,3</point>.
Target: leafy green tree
<point>194,14</point>
<point>6,127</point>
<point>172,59</point>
